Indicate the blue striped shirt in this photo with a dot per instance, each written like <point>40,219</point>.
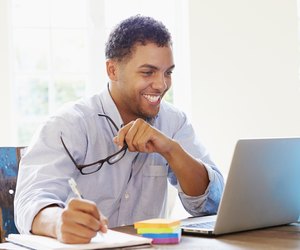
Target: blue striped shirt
<point>133,189</point>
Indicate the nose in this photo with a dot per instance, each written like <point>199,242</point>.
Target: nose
<point>160,83</point>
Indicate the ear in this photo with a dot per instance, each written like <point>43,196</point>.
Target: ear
<point>112,69</point>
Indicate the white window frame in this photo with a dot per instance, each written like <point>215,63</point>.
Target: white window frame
<point>97,73</point>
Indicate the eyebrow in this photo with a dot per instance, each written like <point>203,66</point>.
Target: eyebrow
<point>154,67</point>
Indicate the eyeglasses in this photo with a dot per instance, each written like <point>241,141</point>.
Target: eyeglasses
<point>97,165</point>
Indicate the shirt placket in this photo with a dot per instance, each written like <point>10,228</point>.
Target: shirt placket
<point>127,200</point>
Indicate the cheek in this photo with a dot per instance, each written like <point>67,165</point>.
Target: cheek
<point>168,83</point>
<point>143,84</point>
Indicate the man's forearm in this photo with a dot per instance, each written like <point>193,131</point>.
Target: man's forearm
<point>191,174</point>
<point>45,221</point>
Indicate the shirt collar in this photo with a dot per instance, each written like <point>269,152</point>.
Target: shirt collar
<point>109,107</point>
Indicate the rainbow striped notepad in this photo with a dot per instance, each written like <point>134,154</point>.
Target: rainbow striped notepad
<point>161,231</point>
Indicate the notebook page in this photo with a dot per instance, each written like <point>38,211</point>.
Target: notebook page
<point>109,240</point>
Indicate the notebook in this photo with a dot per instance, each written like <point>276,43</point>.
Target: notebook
<point>110,240</point>
<point>262,189</point>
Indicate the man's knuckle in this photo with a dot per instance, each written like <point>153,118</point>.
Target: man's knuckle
<point>64,215</point>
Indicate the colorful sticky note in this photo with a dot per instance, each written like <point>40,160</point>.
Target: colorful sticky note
<point>157,223</point>
<point>176,234</point>
<point>161,231</point>
<point>157,230</point>
<point>166,241</point>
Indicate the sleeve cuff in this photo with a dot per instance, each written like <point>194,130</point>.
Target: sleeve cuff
<point>194,204</point>
<point>24,222</point>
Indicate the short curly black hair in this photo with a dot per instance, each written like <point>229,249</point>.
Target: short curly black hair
<point>135,29</point>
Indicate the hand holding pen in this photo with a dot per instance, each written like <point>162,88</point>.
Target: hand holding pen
<point>80,220</point>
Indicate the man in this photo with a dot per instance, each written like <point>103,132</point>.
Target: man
<point>141,142</point>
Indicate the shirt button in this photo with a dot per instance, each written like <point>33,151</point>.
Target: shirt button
<point>126,196</point>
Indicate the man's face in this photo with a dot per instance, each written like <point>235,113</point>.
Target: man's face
<point>142,80</point>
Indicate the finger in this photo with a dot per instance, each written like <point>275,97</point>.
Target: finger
<point>85,206</point>
<point>134,133</point>
<point>120,138</point>
<point>85,212</point>
<point>72,227</point>
<point>81,218</point>
<point>144,138</point>
<point>74,238</point>
<point>104,223</point>
<point>141,137</point>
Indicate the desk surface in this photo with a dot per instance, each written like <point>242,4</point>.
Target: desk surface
<point>284,237</point>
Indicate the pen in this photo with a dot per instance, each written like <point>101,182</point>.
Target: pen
<point>75,190</point>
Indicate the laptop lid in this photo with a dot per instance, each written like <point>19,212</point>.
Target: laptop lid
<point>263,184</point>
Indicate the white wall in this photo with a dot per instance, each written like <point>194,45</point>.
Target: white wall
<point>244,64</point>
<point>5,87</point>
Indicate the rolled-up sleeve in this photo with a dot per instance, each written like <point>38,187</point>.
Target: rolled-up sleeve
<point>207,203</point>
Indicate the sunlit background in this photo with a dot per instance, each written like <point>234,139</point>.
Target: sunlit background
<point>56,54</point>
<point>236,75</point>
<point>57,51</point>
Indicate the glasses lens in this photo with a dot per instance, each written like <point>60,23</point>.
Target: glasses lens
<point>91,169</point>
<point>117,156</point>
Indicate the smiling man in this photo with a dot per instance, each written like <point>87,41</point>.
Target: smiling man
<point>139,83</point>
<point>121,146</point>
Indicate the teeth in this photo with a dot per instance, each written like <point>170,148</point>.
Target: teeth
<point>152,98</point>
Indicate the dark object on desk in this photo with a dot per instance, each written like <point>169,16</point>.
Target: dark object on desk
<point>9,165</point>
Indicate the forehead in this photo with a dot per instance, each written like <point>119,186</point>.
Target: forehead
<point>151,53</point>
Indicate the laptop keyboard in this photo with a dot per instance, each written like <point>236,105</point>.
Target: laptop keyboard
<point>206,225</point>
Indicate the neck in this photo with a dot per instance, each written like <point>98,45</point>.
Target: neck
<point>126,118</point>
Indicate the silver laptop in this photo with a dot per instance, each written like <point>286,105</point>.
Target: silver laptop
<point>262,188</point>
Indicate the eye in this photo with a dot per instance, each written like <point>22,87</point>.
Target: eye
<point>169,73</point>
<point>147,73</point>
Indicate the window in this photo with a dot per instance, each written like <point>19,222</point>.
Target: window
<point>49,59</point>
<point>58,52</point>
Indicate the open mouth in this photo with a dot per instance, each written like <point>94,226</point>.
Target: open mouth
<point>154,99</point>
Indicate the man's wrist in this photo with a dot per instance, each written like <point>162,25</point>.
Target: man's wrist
<point>171,150</point>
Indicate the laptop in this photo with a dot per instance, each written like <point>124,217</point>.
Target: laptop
<point>262,189</point>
